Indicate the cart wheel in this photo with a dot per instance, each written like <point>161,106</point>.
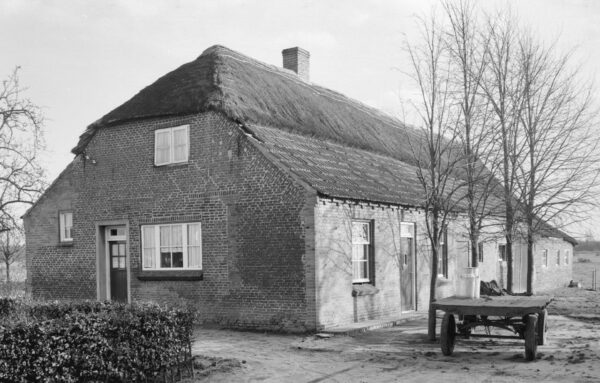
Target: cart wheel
<point>448,333</point>
<point>542,327</point>
<point>530,337</point>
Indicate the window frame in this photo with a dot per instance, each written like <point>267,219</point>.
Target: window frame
<point>567,253</point>
<point>61,226</point>
<point>558,257</point>
<point>545,258</point>
<point>172,131</point>
<point>185,245</point>
<point>370,277</point>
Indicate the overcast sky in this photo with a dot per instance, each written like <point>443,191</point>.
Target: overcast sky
<point>81,59</point>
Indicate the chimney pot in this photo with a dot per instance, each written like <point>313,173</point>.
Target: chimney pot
<point>298,60</point>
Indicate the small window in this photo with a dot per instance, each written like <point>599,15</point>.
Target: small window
<point>167,247</point>
<point>171,145</point>
<point>502,253</point>
<point>361,252</point>
<point>557,257</point>
<point>545,258</point>
<point>566,257</point>
<point>480,252</point>
<point>443,256</point>
<point>66,226</point>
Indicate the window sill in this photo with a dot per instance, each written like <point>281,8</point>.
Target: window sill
<point>66,244</point>
<point>172,165</point>
<point>171,275</point>
<point>364,289</point>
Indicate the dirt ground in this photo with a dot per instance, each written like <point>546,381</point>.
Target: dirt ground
<point>404,354</point>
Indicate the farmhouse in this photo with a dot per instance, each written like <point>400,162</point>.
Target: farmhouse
<point>264,199</point>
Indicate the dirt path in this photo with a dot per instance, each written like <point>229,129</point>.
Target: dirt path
<point>403,354</point>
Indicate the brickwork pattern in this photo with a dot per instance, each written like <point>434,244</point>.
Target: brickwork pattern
<point>251,212</point>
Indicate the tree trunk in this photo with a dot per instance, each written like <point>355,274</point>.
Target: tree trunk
<point>529,256</point>
<point>434,272</point>
<point>7,272</point>
<point>509,247</point>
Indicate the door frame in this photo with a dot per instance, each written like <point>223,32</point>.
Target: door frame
<point>102,259</point>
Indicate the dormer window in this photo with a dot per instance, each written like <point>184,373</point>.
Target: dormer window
<point>171,145</point>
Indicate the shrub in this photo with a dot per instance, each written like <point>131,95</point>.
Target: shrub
<point>95,341</point>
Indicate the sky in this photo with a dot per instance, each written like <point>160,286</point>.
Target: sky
<point>81,59</point>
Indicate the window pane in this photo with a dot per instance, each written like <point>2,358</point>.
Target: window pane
<point>165,236</point>
<point>177,236</point>
<point>195,257</point>
<point>360,232</point>
<point>149,250</point>
<point>163,144</point>
<point>177,257</point>
<point>180,138</point>
<point>122,262</point>
<point>165,258</point>
<point>194,238</point>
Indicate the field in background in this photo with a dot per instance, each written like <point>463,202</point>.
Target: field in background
<point>582,271</point>
<point>17,276</point>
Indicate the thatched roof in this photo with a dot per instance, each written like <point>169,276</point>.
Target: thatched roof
<point>250,91</point>
<point>340,147</point>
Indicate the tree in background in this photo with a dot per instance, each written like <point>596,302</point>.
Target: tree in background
<point>559,167</point>
<point>21,176</point>
<point>11,248</point>
<point>436,154</point>
<point>501,85</point>
<point>466,46</point>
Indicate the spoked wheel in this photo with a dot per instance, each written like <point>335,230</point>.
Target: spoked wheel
<point>530,337</point>
<point>448,334</point>
<point>542,327</point>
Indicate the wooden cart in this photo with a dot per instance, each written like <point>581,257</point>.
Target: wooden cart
<point>524,316</point>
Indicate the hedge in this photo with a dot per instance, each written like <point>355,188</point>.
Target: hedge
<point>92,341</point>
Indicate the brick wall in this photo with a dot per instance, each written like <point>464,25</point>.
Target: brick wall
<point>553,275</point>
<point>253,215</point>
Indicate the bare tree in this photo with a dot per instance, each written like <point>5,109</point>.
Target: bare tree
<point>21,177</point>
<point>466,45</point>
<point>11,248</point>
<point>436,154</point>
<point>560,168</point>
<point>502,86</point>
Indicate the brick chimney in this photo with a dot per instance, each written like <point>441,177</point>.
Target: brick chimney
<point>298,60</point>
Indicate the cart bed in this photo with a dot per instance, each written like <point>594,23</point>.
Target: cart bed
<point>505,305</point>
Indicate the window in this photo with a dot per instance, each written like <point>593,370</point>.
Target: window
<point>177,246</point>
<point>557,257</point>
<point>66,226</point>
<point>566,257</point>
<point>361,252</point>
<point>480,252</point>
<point>502,253</point>
<point>545,258</point>
<point>171,145</point>
<point>443,256</point>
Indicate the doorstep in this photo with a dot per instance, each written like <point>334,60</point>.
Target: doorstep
<point>374,324</point>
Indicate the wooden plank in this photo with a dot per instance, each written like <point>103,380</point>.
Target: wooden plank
<point>507,305</point>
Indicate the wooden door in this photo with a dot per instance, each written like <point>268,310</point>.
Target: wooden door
<point>118,271</point>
